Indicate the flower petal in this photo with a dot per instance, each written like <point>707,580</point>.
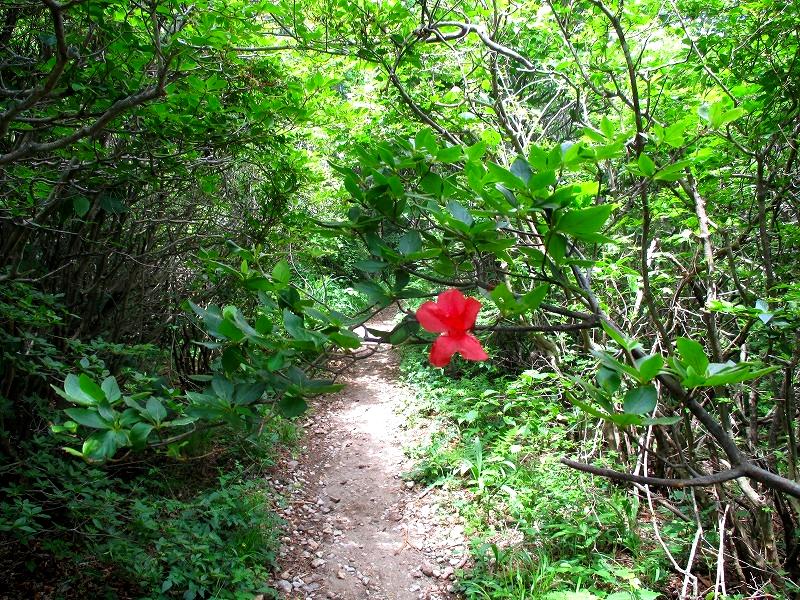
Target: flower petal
<point>469,313</point>
<point>431,318</point>
<point>470,348</point>
<point>442,350</point>
<point>451,302</point>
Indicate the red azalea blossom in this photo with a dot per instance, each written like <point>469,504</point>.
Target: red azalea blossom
<point>453,316</point>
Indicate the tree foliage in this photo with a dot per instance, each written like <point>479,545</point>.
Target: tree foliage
<point>616,180</point>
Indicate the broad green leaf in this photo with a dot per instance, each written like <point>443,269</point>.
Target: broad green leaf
<point>504,299</point>
<point>231,359</point>
<point>646,165</point>
<point>247,393</point>
<point>521,169</point>
<point>90,388</point>
<point>87,418</point>
<point>584,223</point>
<point>410,242</point>
<point>459,212</point>
<point>608,379</point>
<point>649,367</point>
<point>533,299</point>
<point>371,266</point>
<point>640,400</point>
<point>156,410</point>
<point>292,406</point>
<point>111,389</point>
<point>294,325</point>
<point>259,284</point>
<point>450,154</point>
<point>81,206</point>
<point>103,445</point>
<point>223,388</point>
<point>138,435</point>
<point>75,393</point>
<point>692,355</point>
<point>281,272</point>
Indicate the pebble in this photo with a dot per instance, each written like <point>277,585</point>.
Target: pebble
<point>284,586</point>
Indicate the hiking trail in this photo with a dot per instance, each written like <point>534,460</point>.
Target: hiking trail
<point>355,528</point>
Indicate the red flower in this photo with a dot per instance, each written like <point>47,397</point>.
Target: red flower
<point>453,316</point>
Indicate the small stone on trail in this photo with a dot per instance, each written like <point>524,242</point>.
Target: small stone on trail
<point>410,484</point>
<point>283,586</point>
<point>341,574</point>
<point>427,569</point>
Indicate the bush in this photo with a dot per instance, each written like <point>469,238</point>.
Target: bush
<point>147,533</point>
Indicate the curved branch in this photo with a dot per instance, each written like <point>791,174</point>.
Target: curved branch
<point>702,481</point>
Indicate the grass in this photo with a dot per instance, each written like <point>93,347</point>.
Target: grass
<point>538,528</point>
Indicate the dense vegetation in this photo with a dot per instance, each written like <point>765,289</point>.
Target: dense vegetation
<point>200,202</point>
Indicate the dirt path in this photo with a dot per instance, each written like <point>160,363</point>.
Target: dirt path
<point>356,529</point>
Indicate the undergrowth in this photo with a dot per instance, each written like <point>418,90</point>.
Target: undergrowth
<point>538,528</point>
<point>202,528</point>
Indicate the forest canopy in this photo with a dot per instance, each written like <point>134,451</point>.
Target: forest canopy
<point>202,203</point>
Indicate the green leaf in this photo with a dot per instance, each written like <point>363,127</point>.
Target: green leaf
<point>623,341</point>
<point>373,291</point>
<point>585,223</point>
<point>294,325</point>
<point>425,139</point>
<point>649,367</point>
<point>521,169</point>
<point>640,400</point>
<point>156,410</point>
<point>371,266</point>
<point>259,284</point>
<point>410,242</point>
<point>646,165</point>
<point>102,445</point>
<point>81,206</point>
<point>692,355</point>
<point>138,435</point>
<point>673,172</point>
<point>281,272</point>
<point>504,299</point>
<point>228,330</point>
<point>450,154</point>
<point>345,339</point>
<point>247,393</point>
<point>734,374</point>
<point>90,388</point>
<point>533,299</point>
<point>292,406</point>
<point>459,212</point>
<point>75,393</point>
<point>111,389</point>
<point>231,359</point>
<point>608,379</point>
<point>223,388</point>
<point>87,418</point>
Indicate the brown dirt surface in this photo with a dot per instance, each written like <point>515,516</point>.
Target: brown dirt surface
<point>355,528</point>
